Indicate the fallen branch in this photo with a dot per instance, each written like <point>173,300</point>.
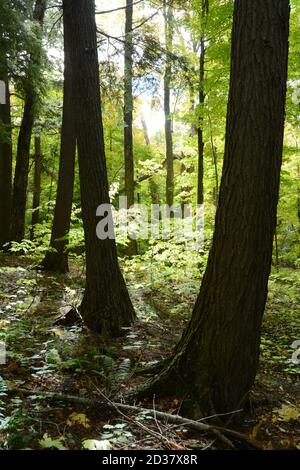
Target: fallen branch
<point>174,419</point>
<point>159,435</point>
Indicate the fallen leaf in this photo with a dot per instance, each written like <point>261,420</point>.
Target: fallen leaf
<point>78,418</point>
<point>287,413</point>
<point>49,442</point>
<point>93,444</point>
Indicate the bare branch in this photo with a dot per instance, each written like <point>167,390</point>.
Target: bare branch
<point>174,419</point>
<point>104,12</point>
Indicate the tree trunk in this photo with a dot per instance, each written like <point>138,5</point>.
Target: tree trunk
<point>298,199</point>
<point>36,185</point>
<point>217,358</point>
<point>200,192</point>
<point>57,258</point>
<point>153,187</point>
<point>128,117</point>
<point>168,17</point>
<point>5,167</point>
<point>215,163</point>
<point>23,148</point>
<point>106,306</point>
<point>128,105</point>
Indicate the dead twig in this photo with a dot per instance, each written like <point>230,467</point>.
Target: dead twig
<point>174,419</point>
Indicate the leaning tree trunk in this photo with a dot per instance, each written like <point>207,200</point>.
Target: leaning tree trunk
<point>131,248</point>
<point>5,167</point>
<point>217,358</point>
<point>106,306</point>
<point>168,16</point>
<point>23,148</point>
<point>56,258</point>
<point>36,185</point>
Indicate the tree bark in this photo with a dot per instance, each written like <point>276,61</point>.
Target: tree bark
<point>106,306</point>
<point>128,105</point>
<point>5,167</point>
<point>23,147</point>
<point>168,17</point>
<point>217,358</point>
<point>131,248</point>
<point>36,185</point>
<point>56,258</point>
<point>200,192</point>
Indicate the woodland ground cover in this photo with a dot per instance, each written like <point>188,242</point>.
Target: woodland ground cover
<point>45,356</point>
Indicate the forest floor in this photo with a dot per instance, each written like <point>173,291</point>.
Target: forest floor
<point>42,356</point>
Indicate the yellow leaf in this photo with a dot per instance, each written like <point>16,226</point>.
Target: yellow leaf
<point>269,446</point>
<point>93,444</point>
<point>255,430</point>
<point>78,419</point>
<point>288,412</point>
<point>57,332</point>
<point>49,442</point>
<point>289,443</point>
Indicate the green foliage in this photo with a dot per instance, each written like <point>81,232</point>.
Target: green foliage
<point>3,393</point>
<point>116,433</point>
<point>281,322</point>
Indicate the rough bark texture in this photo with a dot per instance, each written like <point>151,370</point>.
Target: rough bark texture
<point>168,16</point>
<point>128,116</point>
<point>57,258</point>
<point>106,305</point>
<point>217,358</point>
<point>5,168</point>
<point>36,184</point>
<point>23,148</point>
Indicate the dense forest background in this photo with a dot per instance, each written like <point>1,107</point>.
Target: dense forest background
<point>164,78</point>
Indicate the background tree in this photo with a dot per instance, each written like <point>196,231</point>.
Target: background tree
<point>36,184</point>
<point>56,258</point>
<point>106,306</point>
<point>23,148</point>
<point>5,162</point>
<point>168,19</point>
<point>12,42</point>
<point>128,115</point>
<point>204,13</point>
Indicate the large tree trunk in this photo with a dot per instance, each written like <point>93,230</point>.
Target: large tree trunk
<point>128,116</point>
<point>168,17</point>
<point>106,306</point>
<point>5,167</point>
<point>216,360</point>
<point>23,148</point>
<point>57,258</point>
<point>36,184</point>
